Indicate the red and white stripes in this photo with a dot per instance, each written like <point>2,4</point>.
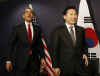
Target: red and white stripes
<point>48,59</point>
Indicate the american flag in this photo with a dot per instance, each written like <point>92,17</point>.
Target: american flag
<point>48,60</point>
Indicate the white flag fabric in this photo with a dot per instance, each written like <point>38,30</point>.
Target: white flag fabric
<point>30,6</point>
<point>85,21</point>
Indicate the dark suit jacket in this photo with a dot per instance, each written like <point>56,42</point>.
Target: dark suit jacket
<point>19,46</point>
<point>64,55</point>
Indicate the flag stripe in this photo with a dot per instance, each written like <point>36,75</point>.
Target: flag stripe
<point>48,59</point>
<point>49,71</point>
<point>48,62</point>
<point>46,52</point>
<point>50,68</point>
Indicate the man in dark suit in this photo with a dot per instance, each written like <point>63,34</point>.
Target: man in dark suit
<point>68,46</point>
<point>26,48</point>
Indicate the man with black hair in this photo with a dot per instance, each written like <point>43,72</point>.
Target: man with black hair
<point>26,47</point>
<point>68,45</point>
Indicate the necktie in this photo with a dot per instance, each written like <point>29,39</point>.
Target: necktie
<point>72,35</point>
<point>29,37</point>
<point>29,34</point>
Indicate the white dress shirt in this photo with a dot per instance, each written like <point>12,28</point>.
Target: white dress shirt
<point>68,27</point>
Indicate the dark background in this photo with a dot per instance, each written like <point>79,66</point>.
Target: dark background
<point>49,13</point>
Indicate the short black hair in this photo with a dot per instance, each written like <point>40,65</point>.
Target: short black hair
<point>67,8</point>
<point>30,9</point>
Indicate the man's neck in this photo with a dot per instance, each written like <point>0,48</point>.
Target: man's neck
<point>69,24</point>
<point>28,22</point>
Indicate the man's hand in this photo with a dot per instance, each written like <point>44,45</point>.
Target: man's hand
<point>57,71</point>
<point>86,59</point>
<point>8,66</point>
<point>43,63</point>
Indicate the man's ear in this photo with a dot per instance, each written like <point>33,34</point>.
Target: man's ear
<point>64,17</point>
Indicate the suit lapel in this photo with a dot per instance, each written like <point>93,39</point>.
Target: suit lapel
<point>34,34</point>
<point>25,36</point>
<point>24,32</point>
<point>67,34</point>
<point>77,34</point>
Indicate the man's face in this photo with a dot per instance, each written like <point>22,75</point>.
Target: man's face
<point>28,15</point>
<point>71,16</point>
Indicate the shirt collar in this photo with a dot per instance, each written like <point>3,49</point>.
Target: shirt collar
<point>27,23</point>
<point>68,26</point>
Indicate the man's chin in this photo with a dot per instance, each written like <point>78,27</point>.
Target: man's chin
<point>29,20</point>
<point>73,23</point>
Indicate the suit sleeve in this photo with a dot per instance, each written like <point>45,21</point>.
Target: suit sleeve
<point>11,44</point>
<point>40,45</point>
<point>85,46</point>
<point>54,48</point>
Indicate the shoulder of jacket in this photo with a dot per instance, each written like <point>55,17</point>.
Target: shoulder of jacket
<point>59,28</point>
<point>19,25</point>
<point>79,27</point>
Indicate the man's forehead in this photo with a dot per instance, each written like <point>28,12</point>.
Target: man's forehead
<point>71,10</point>
<point>27,9</point>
